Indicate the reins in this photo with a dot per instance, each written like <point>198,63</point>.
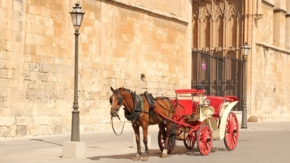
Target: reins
<point>114,128</point>
<point>158,113</point>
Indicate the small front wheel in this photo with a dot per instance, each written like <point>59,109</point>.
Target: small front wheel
<point>190,141</point>
<point>204,140</point>
<point>231,132</point>
<point>161,142</point>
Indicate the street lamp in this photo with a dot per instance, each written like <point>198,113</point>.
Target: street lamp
<point>245,51</point>
<point>77,17</point>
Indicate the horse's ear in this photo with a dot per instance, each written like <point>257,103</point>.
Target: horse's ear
<point>112,89</point>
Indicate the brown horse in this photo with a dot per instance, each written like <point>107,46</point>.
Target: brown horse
<point>143,111</point>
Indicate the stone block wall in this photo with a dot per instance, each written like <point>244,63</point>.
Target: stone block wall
<point>268,63</point>
<point>270,93</point>
<point>119,40</point>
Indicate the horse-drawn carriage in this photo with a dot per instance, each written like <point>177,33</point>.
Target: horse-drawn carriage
<point>201,119</point>
<point>191,117</point>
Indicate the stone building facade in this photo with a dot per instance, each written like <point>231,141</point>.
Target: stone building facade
<point>122,40</point>
<point>220,29</point>
<point>119,41</point>
<point>268,25</point>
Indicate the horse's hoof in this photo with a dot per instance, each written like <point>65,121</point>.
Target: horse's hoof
<point>145,158</point>
<point>136,158</point>
<point>163,155</point>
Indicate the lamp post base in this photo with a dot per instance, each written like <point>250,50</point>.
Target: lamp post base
<point>244,127</point>
<point>71,149</point>
<point>244,117</point>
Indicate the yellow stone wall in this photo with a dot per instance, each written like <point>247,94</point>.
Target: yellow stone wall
<point>269,61</point>
<point>119,40</point>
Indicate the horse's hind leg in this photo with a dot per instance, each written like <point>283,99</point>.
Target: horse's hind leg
<point>164,133</point>
<point>137,136</point>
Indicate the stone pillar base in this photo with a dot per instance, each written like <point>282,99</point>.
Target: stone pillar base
<point>73,149</point>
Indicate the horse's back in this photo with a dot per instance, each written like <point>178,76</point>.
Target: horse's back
<point>165,106</point>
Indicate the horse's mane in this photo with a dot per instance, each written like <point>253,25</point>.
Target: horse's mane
<point>124,89</point>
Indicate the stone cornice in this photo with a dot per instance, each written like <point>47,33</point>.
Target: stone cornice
<point>268,46</point>
<point>269,3</point>
<point>147,10</point>
<point>280,10</point>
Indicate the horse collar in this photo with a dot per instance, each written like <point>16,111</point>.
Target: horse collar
<point>138,104</point>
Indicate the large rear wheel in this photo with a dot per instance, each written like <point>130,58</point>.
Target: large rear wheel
<point>190,141</point>
<point>231,132</point>
<point>204,140</point>
<point>161,142</point>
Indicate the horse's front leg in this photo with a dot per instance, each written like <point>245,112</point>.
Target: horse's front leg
<point>137,136</point>
<point>145,141</point>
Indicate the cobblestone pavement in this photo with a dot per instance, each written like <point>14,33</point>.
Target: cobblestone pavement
<point>262,142</point>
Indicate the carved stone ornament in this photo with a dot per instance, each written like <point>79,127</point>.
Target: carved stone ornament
<point>219,49</point>
<point>229,12</point>
<point>202,14</point>
<point>206,49</point>
<point>216,13</point>
<point>222,9</point>
<point>232,48</point>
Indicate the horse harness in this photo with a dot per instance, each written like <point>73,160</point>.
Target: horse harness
<point>138,105</point>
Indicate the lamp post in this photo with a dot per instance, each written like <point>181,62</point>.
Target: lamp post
<point>77,17</point>
<point>245,51</point>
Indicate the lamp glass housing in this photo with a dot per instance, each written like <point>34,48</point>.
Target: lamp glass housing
<point>245,49</point>
<point>77,16</point>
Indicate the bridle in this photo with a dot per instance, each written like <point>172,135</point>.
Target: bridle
<point>120,103</point>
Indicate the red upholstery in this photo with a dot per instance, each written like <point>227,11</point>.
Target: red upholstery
<point>185,107</point>
<point>216,102</point>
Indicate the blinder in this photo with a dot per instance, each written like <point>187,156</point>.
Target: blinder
<point>119,100</point>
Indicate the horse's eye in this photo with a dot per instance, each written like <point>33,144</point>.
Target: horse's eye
<point>110,100</point>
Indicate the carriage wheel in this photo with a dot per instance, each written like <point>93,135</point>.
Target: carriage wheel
<point>190,141</point>
<point>161,142</point>
<point>232,131</point>
<point>204,140</point>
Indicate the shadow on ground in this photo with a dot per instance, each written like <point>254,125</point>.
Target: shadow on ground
<point>41,140</point>
<point>178,150</point>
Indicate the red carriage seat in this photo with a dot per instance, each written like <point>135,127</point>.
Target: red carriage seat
<point>216,102</point>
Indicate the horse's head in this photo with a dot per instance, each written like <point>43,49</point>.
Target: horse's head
<point>116,101</point>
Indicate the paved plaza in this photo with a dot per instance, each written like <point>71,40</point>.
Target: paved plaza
<point>262,142</point>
